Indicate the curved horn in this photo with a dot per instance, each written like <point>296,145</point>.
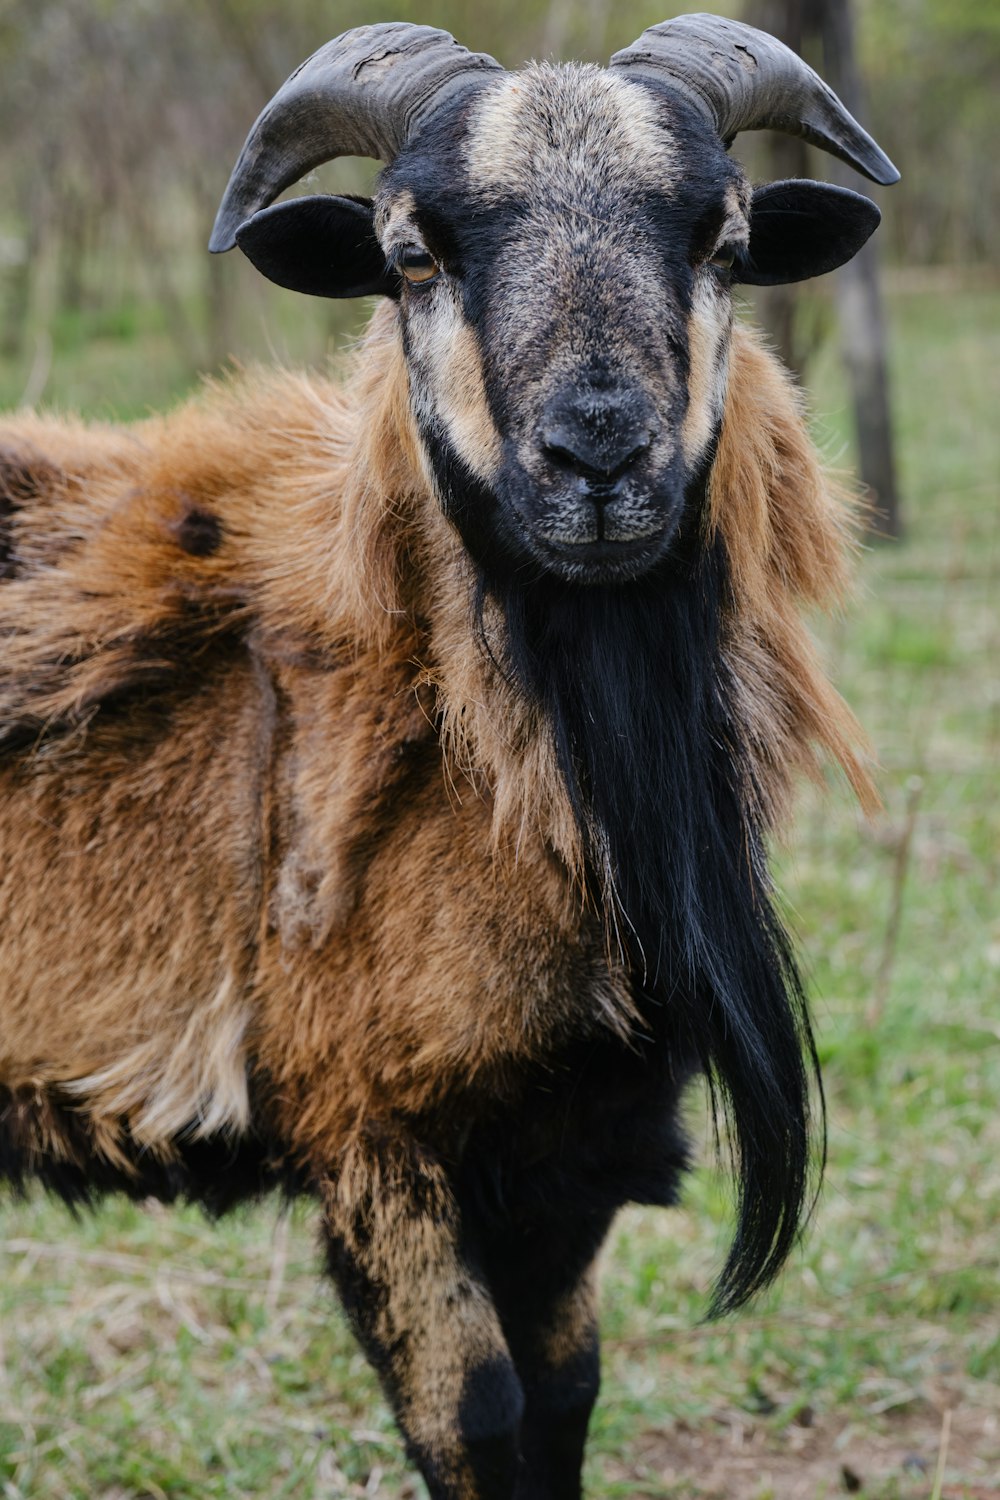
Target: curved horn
<point>363,94</point>
<point>744,79</point>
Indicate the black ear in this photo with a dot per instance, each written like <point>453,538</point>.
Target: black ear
<point>800,229</point>
<point>323,246</point>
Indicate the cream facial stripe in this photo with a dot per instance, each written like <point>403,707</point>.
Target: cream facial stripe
<point>450,372</point>
<point>394,222</point>
<point>708,345</point>
<point>548,129</point>
<point>446,370</point>
<point>709,332</point>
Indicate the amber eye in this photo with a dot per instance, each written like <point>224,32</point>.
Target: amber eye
<point>417,265</point>
<point>724,258</point>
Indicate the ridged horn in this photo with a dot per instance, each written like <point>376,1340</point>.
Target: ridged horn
<point>744,79</point>
<point>366,93</point>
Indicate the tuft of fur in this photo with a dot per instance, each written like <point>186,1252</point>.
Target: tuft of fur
<point>788,530</point>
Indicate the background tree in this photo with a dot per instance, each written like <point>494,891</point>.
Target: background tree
<point>859,294</point>
<point>823,32</point>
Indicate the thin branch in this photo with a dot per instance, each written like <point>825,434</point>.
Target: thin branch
<point>900,869</point>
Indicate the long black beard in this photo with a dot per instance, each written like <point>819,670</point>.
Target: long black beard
<point>632,681</point>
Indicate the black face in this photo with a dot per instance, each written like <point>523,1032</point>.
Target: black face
<point>563,246</point>
<point>566,316</point>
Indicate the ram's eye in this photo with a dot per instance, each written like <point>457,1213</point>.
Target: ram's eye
<point>724,258</point>
<point>417,265</point>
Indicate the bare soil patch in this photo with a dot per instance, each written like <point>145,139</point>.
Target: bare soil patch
<point>738,1458</point>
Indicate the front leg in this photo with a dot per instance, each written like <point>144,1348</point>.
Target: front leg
<point>543,1278</point>
<point>560,1365</point>
<point>425,1320</point>
<point>539,1189</point>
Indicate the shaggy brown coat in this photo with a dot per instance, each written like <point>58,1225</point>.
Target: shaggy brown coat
<point>254,748</point>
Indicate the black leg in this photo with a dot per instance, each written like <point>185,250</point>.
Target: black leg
<point>426,1321</point>
<point>541,1273</point>
<point>561,1375</point>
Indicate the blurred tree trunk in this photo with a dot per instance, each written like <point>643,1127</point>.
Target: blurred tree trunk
<point>808,26</point>
<point>557,23</point>
<point>783,156</point>
<point>76,228</point>
<point>859,299</point>
<point>154,262</point>
<point>18,281</point>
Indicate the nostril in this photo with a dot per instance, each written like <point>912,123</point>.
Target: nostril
<point>630,455</point>
<point>604,457</point>
<point>559,452</point>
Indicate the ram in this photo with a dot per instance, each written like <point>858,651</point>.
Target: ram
<point>388,768</point>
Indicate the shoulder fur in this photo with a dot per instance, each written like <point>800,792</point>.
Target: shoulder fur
<point>127,551</point>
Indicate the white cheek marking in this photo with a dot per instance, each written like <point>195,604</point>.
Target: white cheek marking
<point>446,374</point>
<point>448,379</point>
<point>738,199</point>
<point>708,345</point>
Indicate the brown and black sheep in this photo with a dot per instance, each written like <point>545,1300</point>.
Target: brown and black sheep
<point>388,767</point>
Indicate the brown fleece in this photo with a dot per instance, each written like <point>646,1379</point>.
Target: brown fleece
<point>271,814</point>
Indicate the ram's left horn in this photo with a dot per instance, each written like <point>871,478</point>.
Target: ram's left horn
<point>366,93</point>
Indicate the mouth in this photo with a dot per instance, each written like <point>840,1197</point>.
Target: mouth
<point>603,561</point>
<point>585,535</point>
<point>598,535</point>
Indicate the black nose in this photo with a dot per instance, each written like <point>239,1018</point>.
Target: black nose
<point>597,435</point>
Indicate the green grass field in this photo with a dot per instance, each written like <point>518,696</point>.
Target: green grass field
<point>148,1355</point>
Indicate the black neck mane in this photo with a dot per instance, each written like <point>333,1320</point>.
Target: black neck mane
<point>633,682</point>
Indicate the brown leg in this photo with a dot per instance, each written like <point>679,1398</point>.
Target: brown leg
<point>425,1319</point>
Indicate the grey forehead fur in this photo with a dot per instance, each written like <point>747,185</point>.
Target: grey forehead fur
<point>551,128</point>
